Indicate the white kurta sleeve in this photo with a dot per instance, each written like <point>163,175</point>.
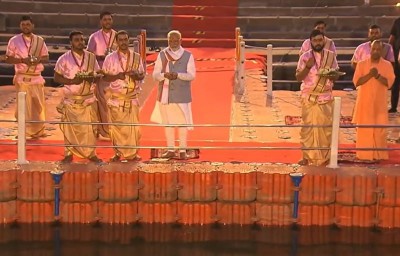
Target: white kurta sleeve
<point>157,75</point>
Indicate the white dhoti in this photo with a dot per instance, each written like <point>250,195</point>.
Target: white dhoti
<point>175,114</point>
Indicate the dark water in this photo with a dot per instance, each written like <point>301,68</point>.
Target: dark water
<point>119,240</point>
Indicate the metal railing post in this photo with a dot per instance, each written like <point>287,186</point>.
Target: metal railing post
<point>137,45</point>
<point>269,75</point>
<point>240,71</point>
<point>242,62</point>
<point>57,177</point>
<point>333,161</point>
<point>21,143</point>
<point>237,43</point>
<point>143,47</point>
<point>296,178</point>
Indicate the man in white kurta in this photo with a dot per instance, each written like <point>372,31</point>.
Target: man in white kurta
<point>123,69</point>
<point>28,52</point>
<point>76,70</point>
<point>102,43</point>
<point>174,69</point>
<point>363,51</point>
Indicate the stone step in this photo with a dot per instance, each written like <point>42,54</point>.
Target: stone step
<point>272,24</point>
<point>282,23</point>
<point>79,21</point>
<point>122,2</point>
<point>301,35</point>
<point>83,7</point>
<point>379,10</point>
<point>284,3</point>
<point>312,3</point>
<point>305,24</point>
<point>118,8</point>
<point>295,39</point>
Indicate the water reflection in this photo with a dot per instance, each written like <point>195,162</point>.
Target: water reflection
<point>76,240</point>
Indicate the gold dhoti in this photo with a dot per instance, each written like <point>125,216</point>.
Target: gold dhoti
<point>316,114</point>
<point>125,135</point>
<point>35,107</point>
<point>79,134</point>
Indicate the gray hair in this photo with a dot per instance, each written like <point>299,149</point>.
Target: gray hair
<point>174,32</point>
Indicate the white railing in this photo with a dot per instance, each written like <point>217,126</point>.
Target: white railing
<point>21,128</point>
<point>333,161</point>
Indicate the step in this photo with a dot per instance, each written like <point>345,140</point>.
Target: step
<point>80,21</point>
<point>305,24</point>
<point>137,2</point>
<point>60,35</point>
<point>207,42</point>
<point>204,23</point>
<point>213,11</point>
<point>207,34</point>
<point>278,42</point>
<point>263,39</point>
<point>158,38</point>
<point>214,3</point>
<point>92,8</point>
<point>302,35</point>
<point>311,3</point>
<point>380,10</point>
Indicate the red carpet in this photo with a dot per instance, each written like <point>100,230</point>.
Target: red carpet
<point>48,153</point>
<point>212,94</point>
<point>259,154</point>
<point>211,23</point>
